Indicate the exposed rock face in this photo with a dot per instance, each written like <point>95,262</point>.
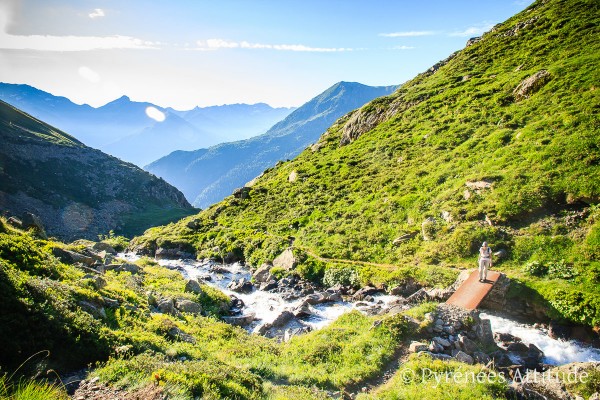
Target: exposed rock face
<point>531,85</point>
<point>76,191</point>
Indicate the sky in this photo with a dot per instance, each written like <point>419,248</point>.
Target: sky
<point>187,53</point>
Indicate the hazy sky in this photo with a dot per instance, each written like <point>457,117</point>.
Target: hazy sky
<point>194,52</point>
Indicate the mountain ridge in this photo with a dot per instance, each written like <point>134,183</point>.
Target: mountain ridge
<point>77,191</point>
<point>121,121</point>
<point>213,173</point>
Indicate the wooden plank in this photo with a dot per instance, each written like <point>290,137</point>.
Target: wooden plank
<point>472,292</point>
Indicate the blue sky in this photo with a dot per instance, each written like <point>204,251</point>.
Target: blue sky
<point>194,52</point>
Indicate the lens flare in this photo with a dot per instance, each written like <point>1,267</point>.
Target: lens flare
<point>155,114</point>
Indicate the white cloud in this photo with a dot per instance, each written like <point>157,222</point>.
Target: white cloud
<point>72,43</point>
<point>215,44</point>
<point>476,30</point>
<point>65,43</point>
<point>89,74</point>
<point>402,47</point>
<point>408,34</point>
<point>98,12</point>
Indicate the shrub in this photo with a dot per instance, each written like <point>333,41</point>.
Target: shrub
<point>536,268</point>
<point>344,276</point>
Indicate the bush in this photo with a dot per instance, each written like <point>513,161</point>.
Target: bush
<point>536,268</point>
<point>344,276</point>
<point>560,269</point>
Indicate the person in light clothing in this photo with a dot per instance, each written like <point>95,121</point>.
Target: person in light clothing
<point>485,261</point>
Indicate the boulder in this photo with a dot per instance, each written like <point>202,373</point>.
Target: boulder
<point>71,257</point>
<point>110,303</point>
<point>188,306</point>
<point>166,306</point>
<point>291,332</point>
<point>332,297</point>
<point>403,238</point>
<point>32,221</point>
<point>557,331</point>
<point>171,254</point>
<point>283,318</point>
<point>481,358</point>
<point>408,287</point>
<point>99,282</point>
<point>286,260</point>
<point>441,341</point>
<point>101,246</point>
<point>479,186</point>
<point>293,176</point>
<point>270,285</point>
<point>484,332</point>
<point>16,222</point>
<point>192,286</point>
<point>416,347</point>
<point>364,292</point>
<point>240,320</point>
<point>440,294</point>
<point>242,285</point>
<point>131,268</point>
<point>95,310</point>
<point>505,337</point>
<point>531,84</point>
<point>302,310</point>
<point>418,297</point>
<point>500,254</point>
<point>464,357</point>
<point>518,347</point>
<point>263,274</point>
<point>438,356</point>
<point>262,328</point>
<point>315,298</point>
<point>217,269</point>
<point>177,334</point>
<point>469,346</point>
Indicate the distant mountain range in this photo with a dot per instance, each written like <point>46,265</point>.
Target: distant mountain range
<point>123,129</point>
<point>77,191</point>
<point>208,175</point>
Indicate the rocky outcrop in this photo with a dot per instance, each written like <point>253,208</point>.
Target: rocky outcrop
<point>531,85</point>
<point>286,260</point>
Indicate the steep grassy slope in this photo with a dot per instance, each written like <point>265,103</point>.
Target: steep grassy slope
<point>77,191</point>
<point>206,176</point>
<point>499,143</point>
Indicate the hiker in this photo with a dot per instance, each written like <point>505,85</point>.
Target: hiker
<point>485,261</point>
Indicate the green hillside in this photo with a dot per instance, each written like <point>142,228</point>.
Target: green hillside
<point>499,142</point>
<point>77,191</point>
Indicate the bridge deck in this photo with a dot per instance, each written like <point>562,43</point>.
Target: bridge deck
<point>472,292</point>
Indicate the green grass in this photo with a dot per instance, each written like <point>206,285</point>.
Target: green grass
<point>421,377</point>
<point>461,124</point>
<point>27,389</point>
